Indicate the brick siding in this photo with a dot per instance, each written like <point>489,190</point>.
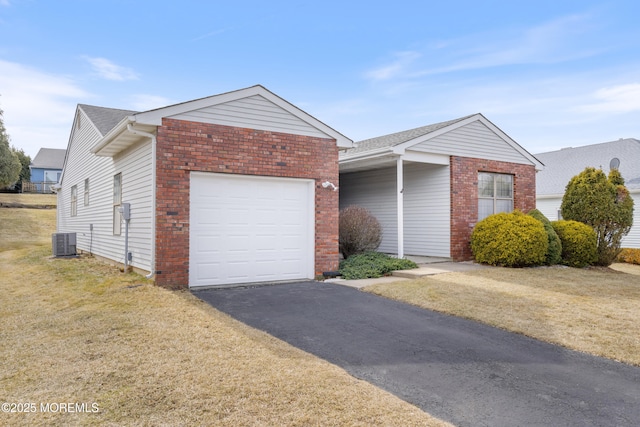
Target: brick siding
<point>464,196</point>
<point>183,147</point>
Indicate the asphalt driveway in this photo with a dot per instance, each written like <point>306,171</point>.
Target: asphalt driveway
<point>458,370</point>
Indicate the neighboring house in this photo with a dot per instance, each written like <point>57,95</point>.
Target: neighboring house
<point>564,164</point>
<point>46,169</point>
<point>222,190</point>
<point>429,186</point>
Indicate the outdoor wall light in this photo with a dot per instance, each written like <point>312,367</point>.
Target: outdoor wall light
<point>328,184</point>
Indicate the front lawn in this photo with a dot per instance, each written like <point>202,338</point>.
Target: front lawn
<point>79,331</point>
<point>591,310</point>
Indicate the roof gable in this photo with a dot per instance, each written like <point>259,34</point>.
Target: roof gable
<point>254,107</point>
<point>394,139</point>
<point>49,158</point>
<point>104,119</point>
<point>469,136</point>
<point>562,165</point>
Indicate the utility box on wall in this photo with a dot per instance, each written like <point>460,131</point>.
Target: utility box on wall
<point>64,244</point>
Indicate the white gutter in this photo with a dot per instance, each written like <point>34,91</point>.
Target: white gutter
<point>117,130</point>
<point>131,129</point>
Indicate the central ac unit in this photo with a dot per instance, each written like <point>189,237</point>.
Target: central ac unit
<point>64,244</point>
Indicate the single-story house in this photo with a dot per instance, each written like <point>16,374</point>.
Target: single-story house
<point>562,165</point>
<point>46,169</point>
<point>228,189</point>
<point>429,186</point>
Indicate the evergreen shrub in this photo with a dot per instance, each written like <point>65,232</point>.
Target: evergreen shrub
<point>510,240</point>
<point>372,264</point>
<point>579,243</point>
<point>554,251</point>
<point>629,255</point>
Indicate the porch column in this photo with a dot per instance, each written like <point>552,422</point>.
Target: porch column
<point>400,189</point>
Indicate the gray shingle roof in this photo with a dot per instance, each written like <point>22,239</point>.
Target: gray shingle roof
<point>49,158</point>
<point>103,118</point>
<point>400,137</point>
<point>564,164</point>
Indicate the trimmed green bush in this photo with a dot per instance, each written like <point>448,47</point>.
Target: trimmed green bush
<point>372,264</point>
<point>359,231</point>
<point>579,243</point>
<point>554,251</point>
<point>604,204</point>
<point>629,255</point>
<point>510,240</point>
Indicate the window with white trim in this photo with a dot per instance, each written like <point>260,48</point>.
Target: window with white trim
<point>86,192</point>
<point>495,194</point>
<point>117,202</point>
<point>74,200</point>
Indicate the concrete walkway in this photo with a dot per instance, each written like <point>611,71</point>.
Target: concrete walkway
<point>427,266</point>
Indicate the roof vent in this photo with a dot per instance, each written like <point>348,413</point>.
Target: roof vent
<point>614,163</point>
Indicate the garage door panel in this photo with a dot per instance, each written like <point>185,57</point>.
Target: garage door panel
<point>250,229</point>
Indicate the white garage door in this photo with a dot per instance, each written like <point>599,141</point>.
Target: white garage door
<point>246,229</point>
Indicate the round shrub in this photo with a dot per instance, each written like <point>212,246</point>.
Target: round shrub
<point>359,231</point>
<point>554,251</point>
<point>579,243</point>
<point>510,240</point>
<point>629,255</point>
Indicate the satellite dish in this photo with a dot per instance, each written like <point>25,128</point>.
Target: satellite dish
<point>614,163</point>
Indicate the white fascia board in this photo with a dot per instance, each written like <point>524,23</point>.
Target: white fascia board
<point>437,159</point>
<point>381,152</point>
<point>113,134</point>
<point>154,117</point>
<point>549,196</point>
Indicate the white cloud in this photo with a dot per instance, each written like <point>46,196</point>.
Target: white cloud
<point>555,41</point>
<point>615,99</point>
<point>396,68</point>
<point>38,107</point>
<point>110,71</point>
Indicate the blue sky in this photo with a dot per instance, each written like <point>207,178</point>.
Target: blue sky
<point>550,74</point>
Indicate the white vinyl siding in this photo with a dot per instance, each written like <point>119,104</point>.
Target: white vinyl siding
<point>632,240</point>
<point>474,140</point>
<point>550,207</point>
<point>427,202</point>
<point>426,206</point>
<point>135,165</point>
<point>254,112</point>
<point>374,190</point>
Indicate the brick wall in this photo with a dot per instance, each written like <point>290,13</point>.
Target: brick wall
<point>184,146</point>
<point>464,196</point>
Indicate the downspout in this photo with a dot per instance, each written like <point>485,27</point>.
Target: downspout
<point>400,203</point>
<point>131,129</point>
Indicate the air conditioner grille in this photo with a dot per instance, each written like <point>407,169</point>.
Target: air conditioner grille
<point>63,244</point>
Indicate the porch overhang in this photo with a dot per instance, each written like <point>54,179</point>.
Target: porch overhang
<point>386,158</point>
